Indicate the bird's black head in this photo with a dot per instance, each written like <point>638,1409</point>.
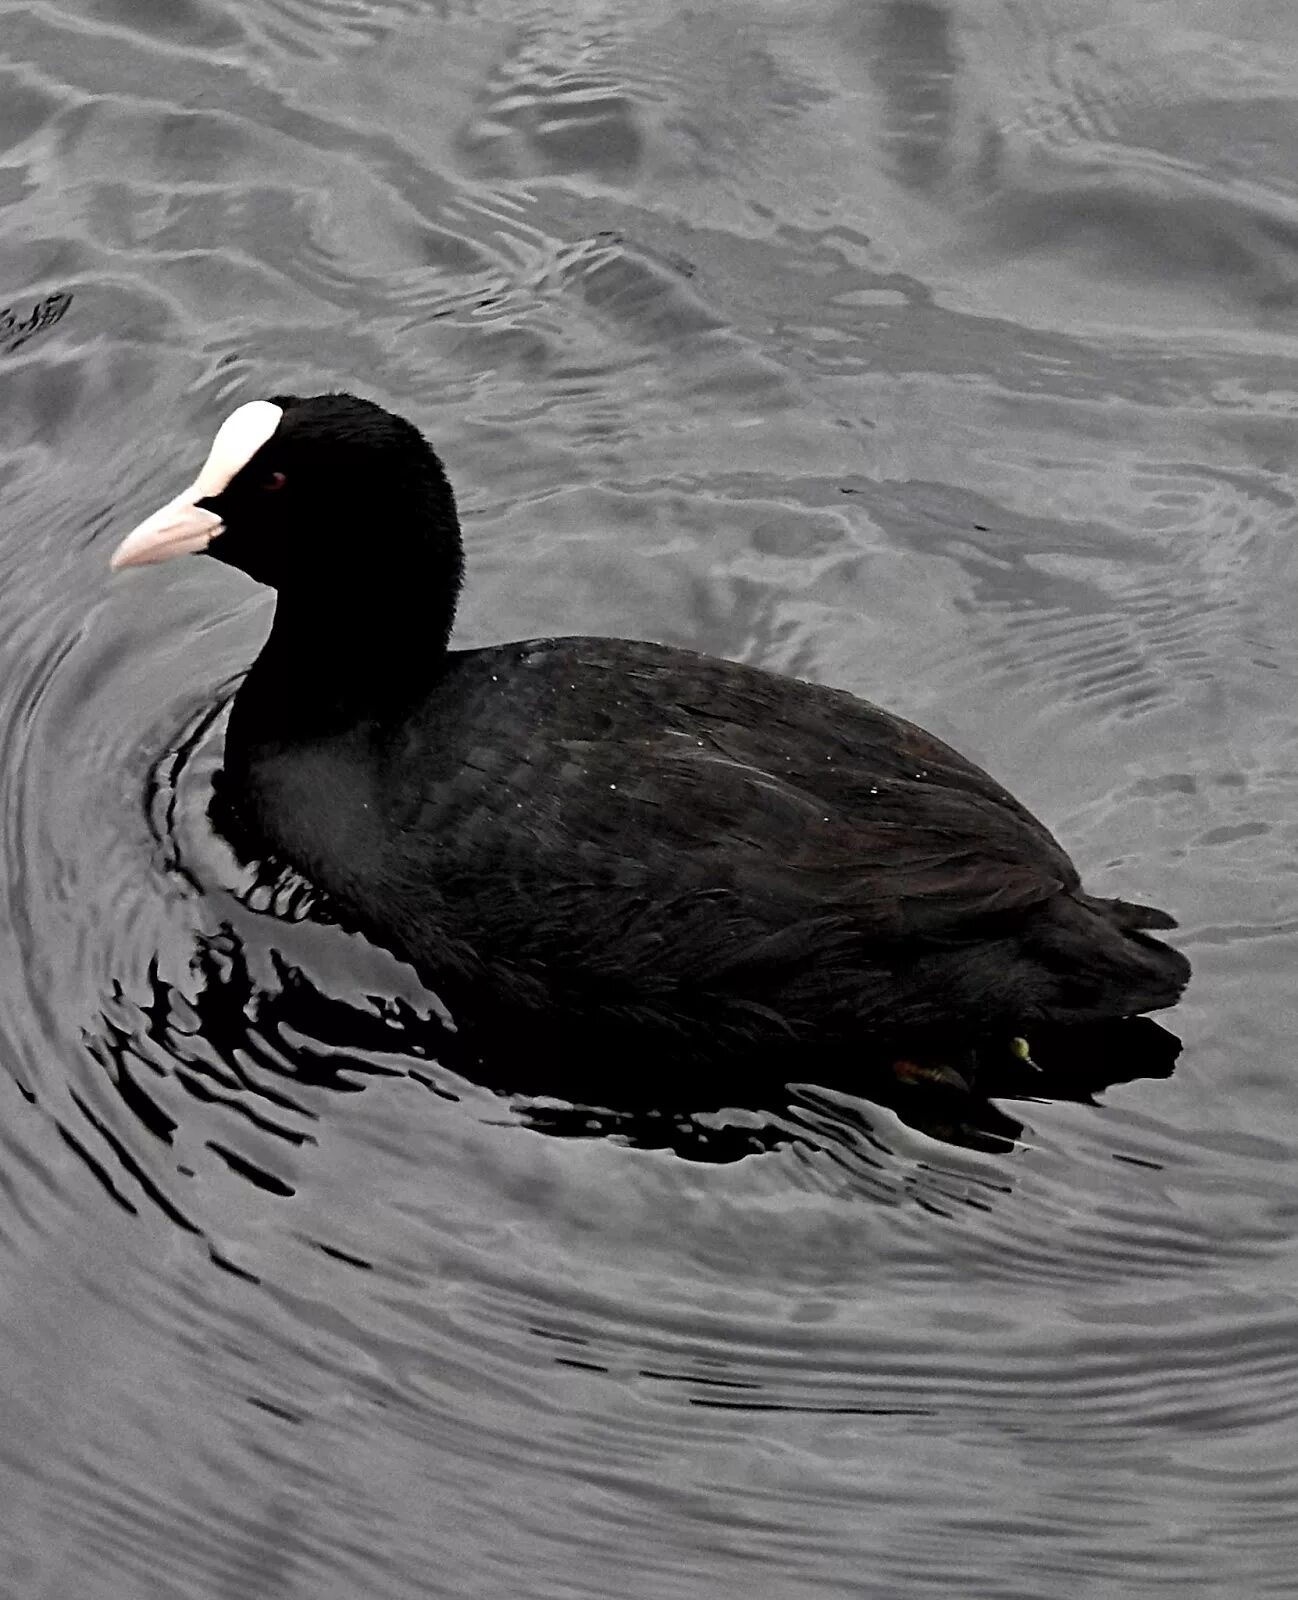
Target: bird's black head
<point>322,498</point>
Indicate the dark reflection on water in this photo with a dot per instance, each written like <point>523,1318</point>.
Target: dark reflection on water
<point>938,351</point>
<point>18,325</point>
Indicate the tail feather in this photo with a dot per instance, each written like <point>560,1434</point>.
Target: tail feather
<point>1107,961</point>
<point>1129,916</point>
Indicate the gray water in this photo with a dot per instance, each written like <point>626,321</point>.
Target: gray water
<point>943,352</point>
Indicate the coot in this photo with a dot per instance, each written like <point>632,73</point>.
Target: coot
<point>583,834</point>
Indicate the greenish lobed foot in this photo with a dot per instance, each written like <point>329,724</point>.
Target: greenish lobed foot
<point>1019,1047</point>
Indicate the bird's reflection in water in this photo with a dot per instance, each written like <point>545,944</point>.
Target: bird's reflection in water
<point>256,1033</point>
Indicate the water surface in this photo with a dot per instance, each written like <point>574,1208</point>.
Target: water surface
<point>943,352</point>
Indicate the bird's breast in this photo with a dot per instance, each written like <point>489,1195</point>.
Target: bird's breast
<point>316,805</point>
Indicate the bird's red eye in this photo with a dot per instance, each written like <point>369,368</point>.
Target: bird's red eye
<point>276,480</point>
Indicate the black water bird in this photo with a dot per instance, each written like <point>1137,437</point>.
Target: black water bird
<point>608,838</point>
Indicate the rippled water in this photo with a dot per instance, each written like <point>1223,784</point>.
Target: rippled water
<point>945,352</point>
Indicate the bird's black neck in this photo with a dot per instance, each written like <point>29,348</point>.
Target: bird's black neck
<point>338,658</point>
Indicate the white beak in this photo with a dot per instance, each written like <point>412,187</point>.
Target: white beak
<point>180,528</point>
<point>183,527</point>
